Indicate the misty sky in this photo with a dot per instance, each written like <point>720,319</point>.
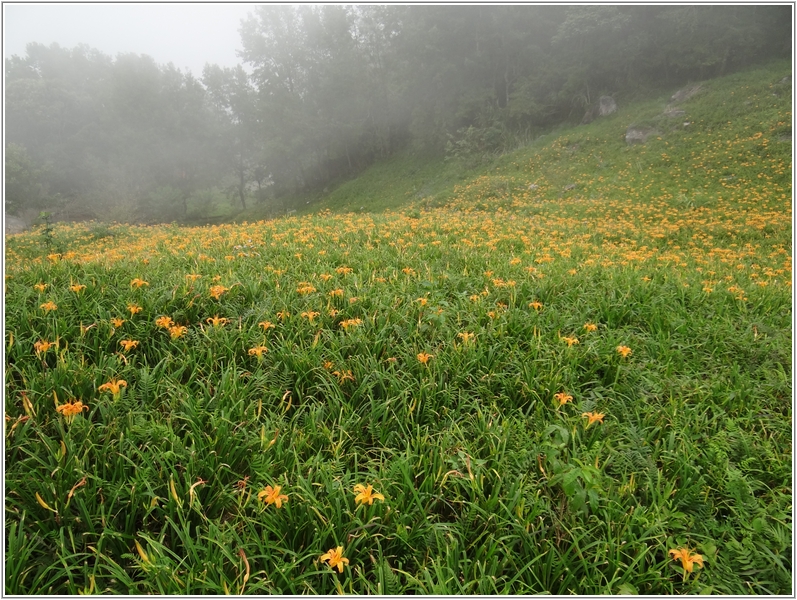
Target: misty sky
<point>187,34</point>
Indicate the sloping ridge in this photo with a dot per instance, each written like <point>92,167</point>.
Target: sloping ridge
<point>657,138</point>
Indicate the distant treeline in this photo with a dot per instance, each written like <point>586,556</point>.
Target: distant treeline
<point>328,90</point>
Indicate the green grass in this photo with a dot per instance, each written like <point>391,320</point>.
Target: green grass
<point>385,186</point>
<point>736,106</point>
<point>490,485</point>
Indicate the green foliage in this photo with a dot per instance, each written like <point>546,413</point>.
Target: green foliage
<point>475,146</point>
<point>22,180</point>
<point>46,231</point>
<point>164,203</point>
<point>111,132</point>
<point>679,250</point>
<point>493,482</point>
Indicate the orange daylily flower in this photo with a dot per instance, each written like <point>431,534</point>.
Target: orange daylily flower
<point>350,323</point>
<point>128,344</point>
<point>623,351</point>
<point>424,357</point>
<point>164,322</point>
<point>563,398</point>
<point>117,322</point>
<point>343,376</point>
<point>305,288</point>
<point>134,308</point>
<point>593,417</point>
<point>71,409</point>
<point>137,282</point>
<point>114,386</point>
<point>266,325</point>
<point>366,495</point>
<point>272,496</point>
<point>77,288</point>
<point>42,346</point>
<point>177,331</point>
<point>257,351</point>
<point>590,326</point>
<point>334,558</point>
<point>48,306</point>
<point>688,560</point>
<point>217,290</point>
<point>217,320</point>
<point>40,287</point>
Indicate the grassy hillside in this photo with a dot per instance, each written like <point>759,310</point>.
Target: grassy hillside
<point>684,166</point>
<point>385,186</point>
<point>569,372</point>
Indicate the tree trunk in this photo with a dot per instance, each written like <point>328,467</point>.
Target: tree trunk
<point>241,181</point>
<point>724,60</point>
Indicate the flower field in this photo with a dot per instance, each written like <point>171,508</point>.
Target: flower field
<point>516,391</point>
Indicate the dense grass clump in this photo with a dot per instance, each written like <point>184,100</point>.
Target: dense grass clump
<point>553,391</point>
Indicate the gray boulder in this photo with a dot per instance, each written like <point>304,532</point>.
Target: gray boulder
<point>636,134</point>
<point>606,106</point>
<point>14,225</point>
<point>672,112</point>
<point>686,93</point>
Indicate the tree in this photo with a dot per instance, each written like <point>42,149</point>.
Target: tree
<point>233,99</point>
<point>274,42</point>
<point>23,181</point>
<point>110,131</point>
<point>332,88</point>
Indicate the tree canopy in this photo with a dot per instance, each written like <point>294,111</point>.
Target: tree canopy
<point>323,91</point>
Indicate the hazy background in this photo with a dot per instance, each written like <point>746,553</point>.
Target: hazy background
<point>188,35</point>
<point>197,112</point>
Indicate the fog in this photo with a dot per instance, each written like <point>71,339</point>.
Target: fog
<point>187,35</point>
<point>192,113</point>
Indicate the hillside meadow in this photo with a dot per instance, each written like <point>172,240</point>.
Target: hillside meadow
<point>569,372</point>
